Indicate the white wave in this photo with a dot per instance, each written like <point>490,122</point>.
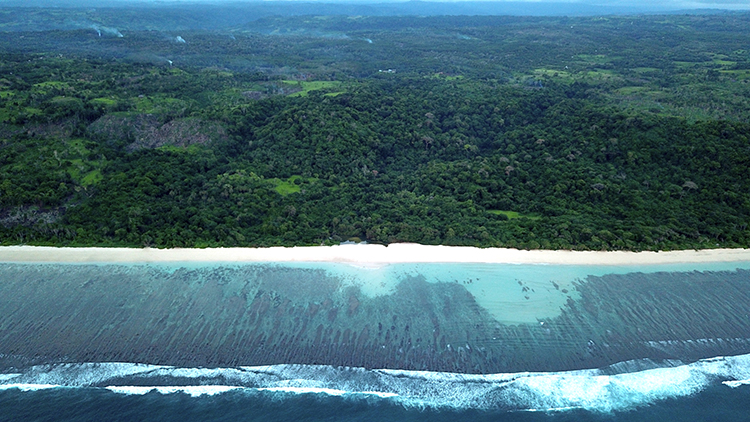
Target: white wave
<point>28,387</point>
<point>499,378</point>
<point>83,374</point>
<point>587,389</point>
<point>305,390</point>
<point>736,383</point>
<point>171,371</point>
<point>561,409</point>
<point>606,390</point>
<point>191,390</point>
<point>605,393</point>
<point>210,390</point>
<point>328,391</point>
<point>377,393</point>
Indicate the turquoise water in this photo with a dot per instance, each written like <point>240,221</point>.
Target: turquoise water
<point>512,293</point>
<point>204,305</point>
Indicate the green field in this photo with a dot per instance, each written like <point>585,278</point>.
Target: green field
<point>304,87</point>
<point>513,214</point>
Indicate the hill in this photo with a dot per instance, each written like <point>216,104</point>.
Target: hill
<point>549,132</point>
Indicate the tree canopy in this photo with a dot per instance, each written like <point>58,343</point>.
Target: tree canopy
<point>555,133</point>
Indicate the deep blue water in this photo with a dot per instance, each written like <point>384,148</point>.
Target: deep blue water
<point>715,389</point>
<point>715,403</point>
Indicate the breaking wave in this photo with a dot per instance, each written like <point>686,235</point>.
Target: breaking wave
<point>619,387</point>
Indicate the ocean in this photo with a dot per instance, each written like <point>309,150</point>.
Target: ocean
<point>277,341</point>
<point>711,390</point>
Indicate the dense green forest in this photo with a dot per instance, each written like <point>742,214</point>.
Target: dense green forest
<point>629,132</point>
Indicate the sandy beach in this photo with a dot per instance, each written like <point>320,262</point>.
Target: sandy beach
<point>368,254</point>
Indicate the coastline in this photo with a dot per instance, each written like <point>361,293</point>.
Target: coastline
<point>368,255</point>
<point>473,320</point>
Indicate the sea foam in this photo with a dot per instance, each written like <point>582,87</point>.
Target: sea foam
<point>28,387</point>
<point>608,389</point>
<point>192,390</point>
<point>736,383</point>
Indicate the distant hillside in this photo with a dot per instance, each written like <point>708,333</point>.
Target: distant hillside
<point>41,15</point>
<point>625,133</point>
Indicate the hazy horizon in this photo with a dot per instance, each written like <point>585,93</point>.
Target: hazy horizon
<point>636,6</point>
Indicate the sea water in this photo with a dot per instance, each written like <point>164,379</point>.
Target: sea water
<point>716,388</point>
<point>712,389</point>
<point>512,293</point>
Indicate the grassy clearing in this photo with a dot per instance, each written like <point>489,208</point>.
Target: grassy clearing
<point>177,71</point>
<point>86,173</point>
<point>724,62</point>
<point>307,86</point>
<point>158,105</point>
<point>685,65</point>
<point>630,90</point>
<point>46,87</point>
<point>77,169</point>
<point>739,74</point>
<point>291,185</point>
<point>285,187</point>
<point>513,214</point>
<point>448,77</point>
<point>108,102</point>
<point>589,76</point>
<point>78,145</point>
<point>91,178</point>
<point>235,96</point>
<point>645,69</point>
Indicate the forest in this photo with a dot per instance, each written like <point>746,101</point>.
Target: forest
<point>585,133</point>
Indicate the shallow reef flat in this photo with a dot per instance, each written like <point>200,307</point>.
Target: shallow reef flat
<point>225,315</point>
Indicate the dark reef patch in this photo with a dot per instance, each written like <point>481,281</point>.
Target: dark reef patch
<point>269,314</point>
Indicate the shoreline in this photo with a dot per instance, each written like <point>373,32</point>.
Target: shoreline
<point>367,255</point>
<point>244,316</point>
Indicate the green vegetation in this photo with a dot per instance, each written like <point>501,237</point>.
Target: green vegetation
<point>159,105</point>
<point>290,185</point>
<point>304,87</point>
<point>512,214</point>
<point>488,131</point>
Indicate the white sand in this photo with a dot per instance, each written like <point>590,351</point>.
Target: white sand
<point>367,255</point>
